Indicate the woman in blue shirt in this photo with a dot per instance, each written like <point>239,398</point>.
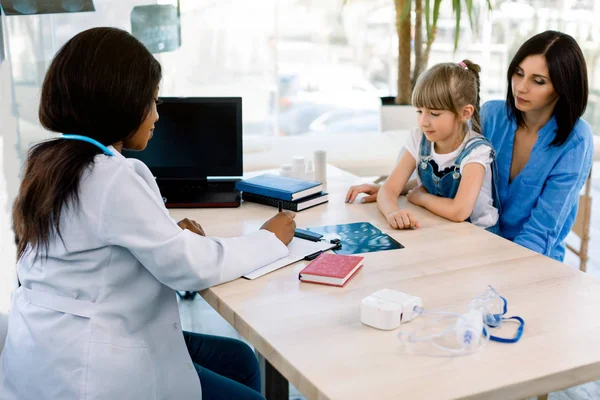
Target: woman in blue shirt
<point>544,149</point>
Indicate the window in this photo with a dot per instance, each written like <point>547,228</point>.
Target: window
<point>304,68</point>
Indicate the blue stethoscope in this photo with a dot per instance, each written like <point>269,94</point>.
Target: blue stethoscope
<point>96,143</point>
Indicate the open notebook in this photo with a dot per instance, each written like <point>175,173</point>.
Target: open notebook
<point>299,248</point>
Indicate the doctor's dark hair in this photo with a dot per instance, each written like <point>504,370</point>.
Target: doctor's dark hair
<point>568,73</point>
<point>101,84</point>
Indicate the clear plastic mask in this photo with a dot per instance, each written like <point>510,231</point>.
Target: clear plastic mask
<point>454,334</point>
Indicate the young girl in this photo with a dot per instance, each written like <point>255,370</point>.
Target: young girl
<point>455,163</point>
<point>100,258</point>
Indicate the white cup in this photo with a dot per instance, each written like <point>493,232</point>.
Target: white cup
<point>285,170</point>
<point>310,171</point>
<point>320,157</point>
<point>298,167</point>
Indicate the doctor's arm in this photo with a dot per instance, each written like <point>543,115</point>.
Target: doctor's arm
<point>133,217</point>
<point>559,195</point>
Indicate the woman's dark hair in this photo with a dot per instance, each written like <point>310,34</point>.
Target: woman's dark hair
<point>101,84</point>
<point>568,73</point>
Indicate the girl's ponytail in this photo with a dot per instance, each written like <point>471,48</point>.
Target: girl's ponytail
<point>476,119</point>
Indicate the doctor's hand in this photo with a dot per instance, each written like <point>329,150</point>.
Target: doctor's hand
<point>192,226</point>
<point>282,225</point>
<point>369,188</point>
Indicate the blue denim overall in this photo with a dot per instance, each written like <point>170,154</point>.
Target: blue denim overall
<point>445,183</point>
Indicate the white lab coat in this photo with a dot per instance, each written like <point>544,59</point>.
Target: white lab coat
<point>98,319</point>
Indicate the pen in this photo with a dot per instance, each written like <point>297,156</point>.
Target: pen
<point>312,256</point>
<point>280,204</point>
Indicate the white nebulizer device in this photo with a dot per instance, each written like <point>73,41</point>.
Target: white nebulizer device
<point>386,309</point>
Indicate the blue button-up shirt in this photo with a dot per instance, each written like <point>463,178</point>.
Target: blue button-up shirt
<point>539,206</point>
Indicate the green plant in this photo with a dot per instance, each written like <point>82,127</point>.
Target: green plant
<point>430,11</point>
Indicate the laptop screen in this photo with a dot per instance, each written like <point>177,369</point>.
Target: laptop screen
<point>195,138</point>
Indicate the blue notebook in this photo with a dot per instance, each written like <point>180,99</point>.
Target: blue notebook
<point>279,187</point>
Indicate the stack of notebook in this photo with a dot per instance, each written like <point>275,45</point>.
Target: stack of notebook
<point>294,194</point>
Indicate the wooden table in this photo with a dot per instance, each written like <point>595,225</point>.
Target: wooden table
<point>313,336</point>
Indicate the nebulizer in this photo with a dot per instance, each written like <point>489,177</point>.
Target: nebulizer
<point>453,334</point>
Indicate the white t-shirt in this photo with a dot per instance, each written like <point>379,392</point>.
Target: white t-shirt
<point>484,213</point>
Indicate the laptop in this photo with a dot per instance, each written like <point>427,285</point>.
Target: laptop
<point>196,151</point>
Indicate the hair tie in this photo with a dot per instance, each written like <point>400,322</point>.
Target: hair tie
<point>463,65</point>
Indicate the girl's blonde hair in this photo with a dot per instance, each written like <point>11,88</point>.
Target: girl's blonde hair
<point>450,86</point>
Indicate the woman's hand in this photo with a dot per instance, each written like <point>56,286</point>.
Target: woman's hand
<point>282,225</point>
<point>402,219</point>
<point>369,188</point>
<point>192,226</point>
<point>416,195</point>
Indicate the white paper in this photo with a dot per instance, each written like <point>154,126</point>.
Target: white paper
<point>299,248</point>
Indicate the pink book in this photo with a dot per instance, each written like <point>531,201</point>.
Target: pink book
<point>331,269</point>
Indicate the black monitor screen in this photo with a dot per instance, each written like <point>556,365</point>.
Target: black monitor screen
<point>195,138</point>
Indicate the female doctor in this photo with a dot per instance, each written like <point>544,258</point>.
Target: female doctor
<point>100,259</point>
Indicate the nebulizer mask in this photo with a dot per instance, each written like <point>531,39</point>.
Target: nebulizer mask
<point>454,334</point>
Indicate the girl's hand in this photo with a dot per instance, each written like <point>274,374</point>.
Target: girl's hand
<point>416,195</point>
<point>282,225</point>
<point>369,188</point>
<point>402,219</point>
<point>192,226</point>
